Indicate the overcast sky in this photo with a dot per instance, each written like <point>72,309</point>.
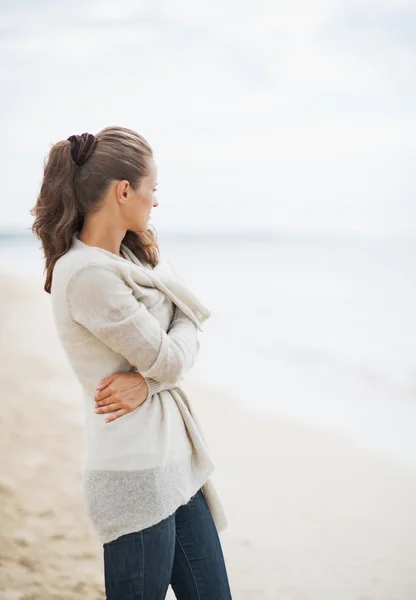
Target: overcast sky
<point>265,115</point>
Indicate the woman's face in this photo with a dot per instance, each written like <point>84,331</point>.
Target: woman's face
<point>141,201</point>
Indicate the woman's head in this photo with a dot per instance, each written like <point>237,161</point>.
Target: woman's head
<point>112,173</point>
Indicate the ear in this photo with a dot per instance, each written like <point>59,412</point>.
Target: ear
<point>122,189</point>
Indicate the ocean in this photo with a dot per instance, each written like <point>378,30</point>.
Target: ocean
<point>318,329</point>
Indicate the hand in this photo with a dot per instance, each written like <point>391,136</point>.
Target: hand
<point>120,394</point>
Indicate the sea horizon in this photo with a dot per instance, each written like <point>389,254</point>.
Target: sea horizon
<point>319,330</point>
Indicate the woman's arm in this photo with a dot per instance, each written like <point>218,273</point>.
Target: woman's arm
<point>99,300</point>
<point>123,392</point>
<point>157,386</point>
<point>154,387</point>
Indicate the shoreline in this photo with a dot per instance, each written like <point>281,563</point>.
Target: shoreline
<point>312,516</point>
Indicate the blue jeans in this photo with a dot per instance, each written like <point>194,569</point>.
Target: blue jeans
<point>183,550</point>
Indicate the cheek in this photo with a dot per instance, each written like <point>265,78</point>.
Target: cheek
<point>141,204</point>
<point>150,198</point>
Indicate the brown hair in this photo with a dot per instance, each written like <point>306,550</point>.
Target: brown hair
<point>69,191</point>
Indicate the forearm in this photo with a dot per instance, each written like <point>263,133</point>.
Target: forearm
<point>154,386</point>
<point>185,334</point>
<point>102,303</point>
<point>181,325</point>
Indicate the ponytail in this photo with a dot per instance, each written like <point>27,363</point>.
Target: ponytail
<point>57,214</point>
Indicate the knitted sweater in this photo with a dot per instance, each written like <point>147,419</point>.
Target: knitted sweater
<point>116,314</point>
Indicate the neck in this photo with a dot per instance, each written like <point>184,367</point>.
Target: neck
<point>107,237</point>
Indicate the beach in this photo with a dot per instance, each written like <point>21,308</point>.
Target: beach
<point>312,515</point>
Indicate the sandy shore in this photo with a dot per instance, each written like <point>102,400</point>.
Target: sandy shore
<point>311,516</point>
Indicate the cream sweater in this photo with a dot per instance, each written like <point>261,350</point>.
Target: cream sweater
<point>117,314</point>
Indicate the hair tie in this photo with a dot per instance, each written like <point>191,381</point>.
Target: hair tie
<point>82,146</point>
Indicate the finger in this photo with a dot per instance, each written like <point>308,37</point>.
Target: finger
<point>108,408</point>
<point>106,381</point>
<point>106,393</point>
<point>115,415</point>
<point>107,401</point>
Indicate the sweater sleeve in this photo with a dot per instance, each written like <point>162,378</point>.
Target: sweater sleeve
<point>157,386</point>
<point>101,301</point>
<point>154,387</point>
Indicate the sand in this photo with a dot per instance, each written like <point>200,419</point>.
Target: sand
<point>311,515</point>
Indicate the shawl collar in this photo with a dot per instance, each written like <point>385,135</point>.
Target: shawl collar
<point>163,277</point>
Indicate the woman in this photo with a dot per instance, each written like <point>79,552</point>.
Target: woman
<point>129,326</point>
